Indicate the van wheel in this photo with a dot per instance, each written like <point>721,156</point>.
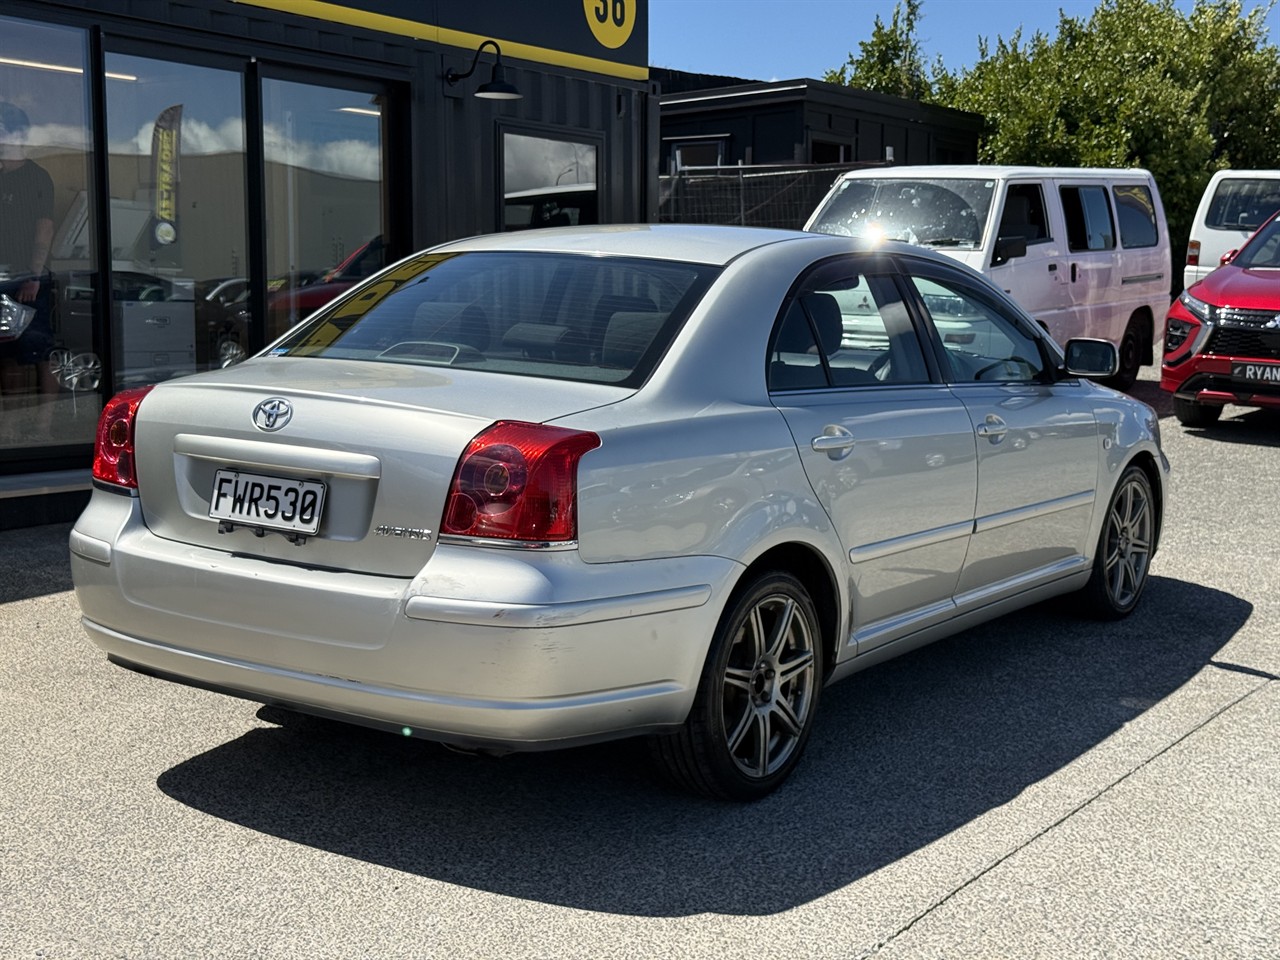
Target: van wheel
<point>1192,414</point>
<point>756,701</point>
<point>1130,359</point>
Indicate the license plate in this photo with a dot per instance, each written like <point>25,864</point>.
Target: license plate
<point>275,503</point>
<point>1256,372</point>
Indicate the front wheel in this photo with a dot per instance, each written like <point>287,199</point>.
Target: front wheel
<point>1130,360</point>
<point>1123,558</point>
<point>757,697</point>
<point>1192,414</point>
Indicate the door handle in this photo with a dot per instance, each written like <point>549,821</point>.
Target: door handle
<point>1073,273</point>
<point>836,442</point>
<point>993,428</point>
<point>1053,268</point>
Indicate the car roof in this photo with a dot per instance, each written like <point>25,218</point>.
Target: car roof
<point>1001,172</point>
<point>688,243</point>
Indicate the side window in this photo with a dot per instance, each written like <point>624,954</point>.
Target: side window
<point>846,331</point>
<point>1136,211</point>
<point>1024,214</point>
<point>982,342</point>
<point>1088,215</point>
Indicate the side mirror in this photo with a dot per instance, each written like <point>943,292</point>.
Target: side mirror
<point>1227,257</point>
<point>1096,359</point>
<point>1007,248</point>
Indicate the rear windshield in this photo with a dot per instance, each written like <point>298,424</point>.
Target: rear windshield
<point>931,213</point>
<point>563,316</point>
<point>1243,204</point>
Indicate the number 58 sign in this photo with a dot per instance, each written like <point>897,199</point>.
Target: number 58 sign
<point>611,20</point>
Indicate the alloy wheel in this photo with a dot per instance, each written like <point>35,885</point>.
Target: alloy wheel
<point>769,686</point>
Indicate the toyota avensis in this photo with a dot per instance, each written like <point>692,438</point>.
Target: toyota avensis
<point>540,489</point>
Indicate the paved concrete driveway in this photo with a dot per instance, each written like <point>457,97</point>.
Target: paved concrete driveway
<point>1038,787</point>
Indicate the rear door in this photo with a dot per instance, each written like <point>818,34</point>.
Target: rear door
<point>888,449</point>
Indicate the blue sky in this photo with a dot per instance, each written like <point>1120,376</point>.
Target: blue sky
<point>788,39</point>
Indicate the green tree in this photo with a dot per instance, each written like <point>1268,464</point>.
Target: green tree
<point>891,61</point>
<point>1139,83</point>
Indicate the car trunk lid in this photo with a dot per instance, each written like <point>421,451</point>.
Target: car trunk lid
<point>377,442</point>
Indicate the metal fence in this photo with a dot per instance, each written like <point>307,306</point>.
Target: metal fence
<point>755,196</point>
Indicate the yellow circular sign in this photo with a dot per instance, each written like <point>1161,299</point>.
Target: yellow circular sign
<point>611,20</point>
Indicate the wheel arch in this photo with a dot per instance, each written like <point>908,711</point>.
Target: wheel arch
<point>811,568</point>
<point>1147,463</point>
<point>1145,330</point>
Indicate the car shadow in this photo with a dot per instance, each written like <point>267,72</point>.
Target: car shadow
<point>902,755</point>
<point>1252,426</point>
<point>38,562</point>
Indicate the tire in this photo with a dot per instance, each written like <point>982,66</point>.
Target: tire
<point>1130,359</point>
<point>756,700</point>
<point>1123,557</point>
<point>230,352</point>
<point>1192,414</point>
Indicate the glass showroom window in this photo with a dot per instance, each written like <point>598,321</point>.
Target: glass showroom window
<point>177,179</point>
<point>324,194</point>
<point>49,372</point>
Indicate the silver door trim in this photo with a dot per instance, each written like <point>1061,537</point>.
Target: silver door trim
<point>912,541</point>
<point>1036,510</point>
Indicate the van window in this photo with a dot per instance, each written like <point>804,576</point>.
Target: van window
<point>1024,213</point>
<point>1136,212</point>
<point>1243,203</point>
<point>1088,216</point>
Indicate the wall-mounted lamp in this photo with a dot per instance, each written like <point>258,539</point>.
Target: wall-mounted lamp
<point>497,88</point>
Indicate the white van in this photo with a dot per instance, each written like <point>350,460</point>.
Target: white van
<point>1234,205</point>
<point>1084,251</point>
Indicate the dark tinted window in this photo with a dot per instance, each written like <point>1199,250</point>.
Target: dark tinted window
<point>1024,214</point>
<point>1136,211</point>
<point>1243,204</point>
<point>606,320</point>
<point>1088,216</point>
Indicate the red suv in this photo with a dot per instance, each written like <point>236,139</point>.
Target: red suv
<point>1222,335</point>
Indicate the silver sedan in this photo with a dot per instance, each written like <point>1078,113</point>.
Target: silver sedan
<point>539,489</point>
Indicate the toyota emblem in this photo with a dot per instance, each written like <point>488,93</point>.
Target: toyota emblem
<point>272,414</point>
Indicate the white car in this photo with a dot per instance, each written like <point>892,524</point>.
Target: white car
<point>550,487</point>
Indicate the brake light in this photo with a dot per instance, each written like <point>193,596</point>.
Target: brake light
<point>1193,253</point>
<point>518,481</point>
<point>113,449</point>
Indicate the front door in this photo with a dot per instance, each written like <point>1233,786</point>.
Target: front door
<point>1036,442</point>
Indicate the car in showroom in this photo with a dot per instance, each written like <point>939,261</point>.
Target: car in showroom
<point>552,487</point>
<point>1222,334</point>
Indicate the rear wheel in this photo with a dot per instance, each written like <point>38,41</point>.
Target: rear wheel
<point>756,701</point>
<point>1123,558</point>
<point>1192,414</point>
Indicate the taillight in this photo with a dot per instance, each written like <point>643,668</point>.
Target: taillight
<point>1193,253</point>
<point>113,450</point>
<point>518,481</point>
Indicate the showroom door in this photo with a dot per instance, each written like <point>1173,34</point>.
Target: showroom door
<point>324,193</point>
<point>179,262</point>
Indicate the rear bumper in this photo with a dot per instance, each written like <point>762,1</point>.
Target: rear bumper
<point>489,648</point>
